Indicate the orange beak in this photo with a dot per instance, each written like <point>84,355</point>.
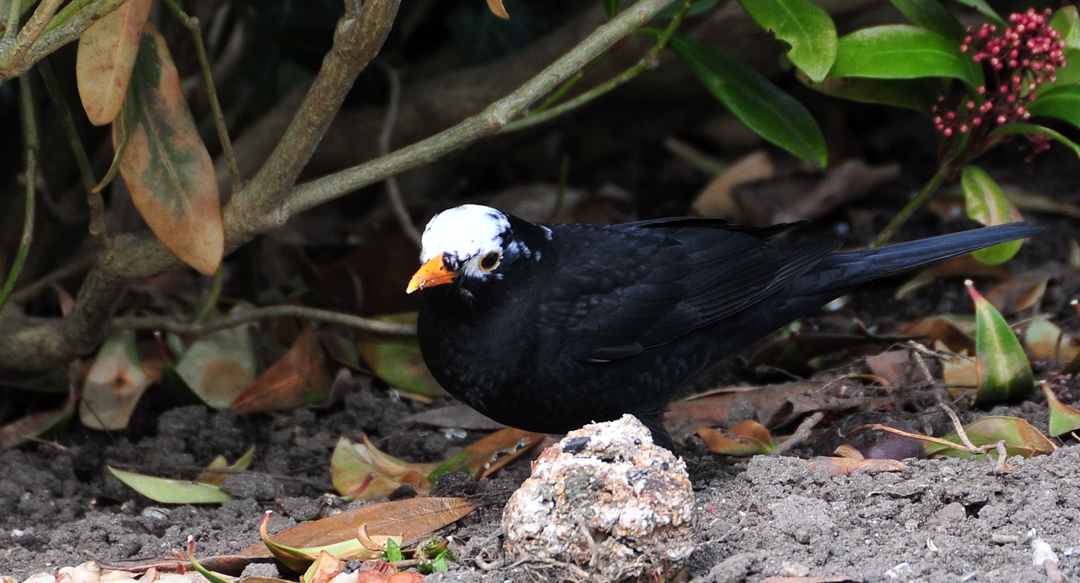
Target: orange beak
<point>432,273</point>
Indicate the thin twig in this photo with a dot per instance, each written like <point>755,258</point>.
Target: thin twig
<point>545,113</point>
<point>254,315</point>
<point>93,199</point>
<point>393,188</point>
<point>802,433</point>
<point>32,31</point>
<point>75,267</point>
<point>193,25</point>
<point>206,306</point>
<point>30,135</point>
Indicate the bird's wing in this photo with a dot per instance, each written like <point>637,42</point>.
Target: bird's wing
<point>619,291</point>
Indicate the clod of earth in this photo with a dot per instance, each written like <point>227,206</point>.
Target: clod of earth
<point>607,499</point>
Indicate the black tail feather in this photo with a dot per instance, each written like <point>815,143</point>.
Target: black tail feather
<point>843,270</point>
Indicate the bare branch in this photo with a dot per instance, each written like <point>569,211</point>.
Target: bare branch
<point>487,122</point>
<point>254,315</point>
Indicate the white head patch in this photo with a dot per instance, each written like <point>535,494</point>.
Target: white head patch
<point>467,231</point>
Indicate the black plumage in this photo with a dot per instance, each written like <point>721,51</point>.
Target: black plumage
<point>580,323</point>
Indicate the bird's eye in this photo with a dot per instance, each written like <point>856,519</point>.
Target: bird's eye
<point>489,261</point>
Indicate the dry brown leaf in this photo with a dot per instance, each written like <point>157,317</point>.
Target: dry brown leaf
<point>1018,294</point>
<point>716,200</point>
<point>745,439</point>
<point>496,7</point>
<point>324,569</point>
<point>774,405</point>
<point>106,57</point>
<point>300,378</point>
<point>412,519</point>
<point>845,466</point>
<point>166,166</point>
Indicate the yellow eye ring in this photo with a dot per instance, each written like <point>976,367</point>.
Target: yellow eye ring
<point>490,261</point>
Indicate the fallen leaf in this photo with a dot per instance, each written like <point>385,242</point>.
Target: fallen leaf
<point>169,491</point>
<point>746,439</point>
<point>715,200</point>
<point>34,425</point>
<point>323,569</point>
<point>1018,294</point>
<point>1019,436</point>
<point>843,466</point>
<point>1063,418</point>
<point>219,463</point>
<point>397,361</point>
<point>1046,342</point>
<point>299,378</point>
<point>361,470</point>
<point>166,166</point>
<point>219,366</point>
<point>774,405</point>
<point>115,384</point>
<point>963,266</point>
<point>412,519</point>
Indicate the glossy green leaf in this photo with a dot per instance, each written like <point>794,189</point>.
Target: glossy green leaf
<point>1035,130</point>
<point>611,8</point>
<point>1002,365</point>
<point>1063,418</point>
<point>171,491</point>
<point>1020,438</point>
<point>917,94</point>
<point>802,24</point>
<point>932,15</point>
<point>983,8</point>
<point>987,204</point>
<point>759,104</point>
<point>900,51</point>
<point>1067,22</point>
<point>1062,102</point>
<point>698,8</point>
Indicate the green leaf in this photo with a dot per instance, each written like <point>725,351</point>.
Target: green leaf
<point>1035,130</point>
<point>1020,438</point>
<point>759,104</point>
<point>1063,418</point>
<point>1067,22</point>
<point>802,24</point>
<point>1002,365</point>
<point>611,7</point>
<point>171,491</point>
<point>1062,102</point>
<point>698,8</point>
<point>393,551</point>
<point>986,203</point>
<point>901,51</point>
<point>931,15</point>
<point>983,8</point>
<point>917,94</point>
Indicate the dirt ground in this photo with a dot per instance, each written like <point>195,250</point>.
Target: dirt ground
<point>935,521</point>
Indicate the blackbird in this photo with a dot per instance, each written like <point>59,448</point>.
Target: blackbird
<point>550,327</point>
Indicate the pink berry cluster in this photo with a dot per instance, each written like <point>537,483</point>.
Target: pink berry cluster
<point>1020,58</point>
